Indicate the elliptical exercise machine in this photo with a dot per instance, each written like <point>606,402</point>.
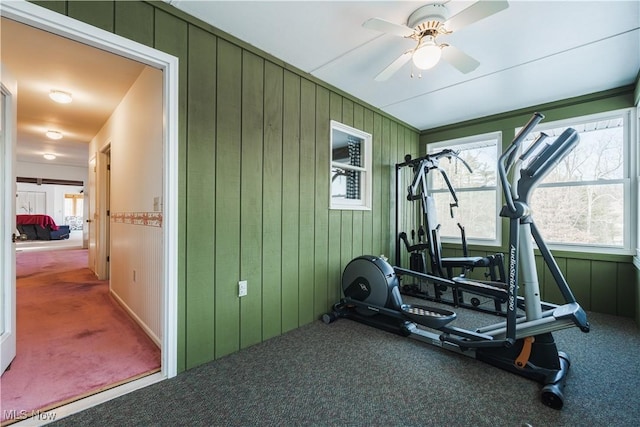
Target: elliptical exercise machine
<point>523,343</point>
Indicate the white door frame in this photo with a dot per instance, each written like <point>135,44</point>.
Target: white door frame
<point>39,17</point>
<point>101,227</point>
<point>8,110</point>
<point>91,224</point>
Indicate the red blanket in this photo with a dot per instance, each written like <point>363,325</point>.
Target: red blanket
<point>44,221</point>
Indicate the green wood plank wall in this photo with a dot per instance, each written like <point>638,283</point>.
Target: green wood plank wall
<point>251,197</point>
<point>254,181</point>
<point>602,283</point>
<point>201,179</point>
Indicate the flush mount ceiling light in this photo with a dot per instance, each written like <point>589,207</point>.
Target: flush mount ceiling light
<point>54,134</point>
<point>49,156</point>
<point>60,96</point>
<point>427,55</point>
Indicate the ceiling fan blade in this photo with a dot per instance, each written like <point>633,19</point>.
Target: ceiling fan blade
<point>394,66</point>
<point>460,60</point>
<point>383,26</point>
<point>477,11</point>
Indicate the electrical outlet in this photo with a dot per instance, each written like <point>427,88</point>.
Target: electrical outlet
<point>242,288</point>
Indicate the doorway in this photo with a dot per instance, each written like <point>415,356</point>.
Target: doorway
<point>44,19</point>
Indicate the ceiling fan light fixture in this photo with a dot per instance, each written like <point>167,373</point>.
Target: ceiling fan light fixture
<point>427,56</point>
<point>49,156</point>
<point>54,134</point>
<point>60,97</point>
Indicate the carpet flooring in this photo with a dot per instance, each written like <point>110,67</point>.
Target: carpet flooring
<point>349,374</point>
<point>73,338</point>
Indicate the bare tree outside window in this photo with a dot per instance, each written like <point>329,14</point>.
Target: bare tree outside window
<point>582,201</point>
<point>477,192</point>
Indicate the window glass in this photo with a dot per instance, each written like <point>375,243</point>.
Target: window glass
<point>350,168</point>
<point>585,214</point>
<point>477,193</point>
<point>583,201</point>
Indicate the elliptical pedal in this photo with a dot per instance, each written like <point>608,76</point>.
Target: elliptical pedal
<point>430,317</point>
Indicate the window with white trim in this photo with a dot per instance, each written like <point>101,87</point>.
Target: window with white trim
<point>350,173</point>
<point>585,203</point>
<point>478,195</point>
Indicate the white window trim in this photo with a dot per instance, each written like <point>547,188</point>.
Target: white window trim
<point>363,204</point>
<point>435,146</point>
<point>629,181</point>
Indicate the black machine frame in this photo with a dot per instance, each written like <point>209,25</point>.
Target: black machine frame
<point>493,265</point>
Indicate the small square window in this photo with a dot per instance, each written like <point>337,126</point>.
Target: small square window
<point>350,172</point>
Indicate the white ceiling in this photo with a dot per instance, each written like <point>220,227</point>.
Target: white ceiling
<point>40,62</point>
<point>531,53</point>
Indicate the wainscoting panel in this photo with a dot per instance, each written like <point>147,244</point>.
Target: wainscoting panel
<point>136,269</point>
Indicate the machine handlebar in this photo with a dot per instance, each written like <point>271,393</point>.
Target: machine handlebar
<point>541,160</point>
<point>508,158</point>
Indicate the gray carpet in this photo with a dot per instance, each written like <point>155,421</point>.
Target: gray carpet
<point>350,374</point>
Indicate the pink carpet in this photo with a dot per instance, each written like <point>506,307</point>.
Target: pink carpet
<point>73,338</point>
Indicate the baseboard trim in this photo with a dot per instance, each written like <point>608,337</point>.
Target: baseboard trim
<point>137,319</point>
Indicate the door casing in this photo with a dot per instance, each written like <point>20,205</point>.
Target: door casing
<point>8,189</point>
<point>41,18</point>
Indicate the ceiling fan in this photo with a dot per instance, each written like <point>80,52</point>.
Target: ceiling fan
<point>424,25</point>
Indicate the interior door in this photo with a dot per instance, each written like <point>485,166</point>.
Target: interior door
<point>91,213</point>
<point>8,123</point>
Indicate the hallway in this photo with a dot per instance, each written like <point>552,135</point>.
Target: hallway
<point>73,338</point>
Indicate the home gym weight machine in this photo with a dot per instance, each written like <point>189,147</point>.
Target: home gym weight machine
<point>523,343</point>
<point>429,241</point>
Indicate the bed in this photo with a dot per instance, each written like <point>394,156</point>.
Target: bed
<point>40,227</point>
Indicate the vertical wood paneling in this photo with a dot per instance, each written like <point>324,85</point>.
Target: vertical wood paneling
<point>579,280</point>
<point>391,188</point>
<point>59,6</point>
<point>272,203</point>
<point>368,231</point>
<point>385,184</point>
<point>306,256</point>
<point>626,289</point>
<point>604,296</point>
<point>98,13</point>
<point>321,299</point>
<point>227,218</point>
<point>251,198</point>
<point>134,20</point>
<point>377,202</point>
<point>549,288</point>
<point>200,210</point>
<point>357,232</point>
<point>404,208</point>
<point>339,248</point>
<point>290,201</point>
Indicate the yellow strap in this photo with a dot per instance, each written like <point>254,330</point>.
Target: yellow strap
<point>525,353</point>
